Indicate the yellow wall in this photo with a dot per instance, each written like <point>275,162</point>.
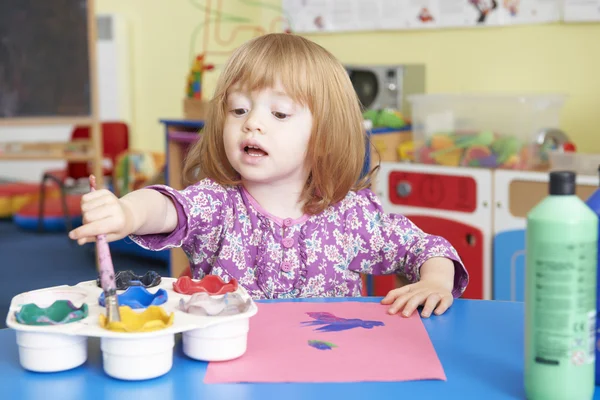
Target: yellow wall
<point>562,58</point>
<point>160,33</point>
<point>538,58</point>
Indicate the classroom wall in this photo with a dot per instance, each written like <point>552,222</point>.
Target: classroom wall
<point>163,44</point>
<point>561,58</point>
<point>536,58</point>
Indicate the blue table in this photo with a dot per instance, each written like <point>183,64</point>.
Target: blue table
<point>480,345</point>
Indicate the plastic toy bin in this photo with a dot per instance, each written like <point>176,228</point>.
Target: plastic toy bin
<point>486,130</point>
<point>581,163</point>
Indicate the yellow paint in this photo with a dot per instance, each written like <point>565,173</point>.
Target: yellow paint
<point>153,318</point>
<point>530,58</point>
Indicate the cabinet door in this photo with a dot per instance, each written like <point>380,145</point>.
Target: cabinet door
<point>454,203</point>
<point>515,194</point>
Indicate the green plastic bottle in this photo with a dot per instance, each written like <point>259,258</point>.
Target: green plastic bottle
<point>560,294</point>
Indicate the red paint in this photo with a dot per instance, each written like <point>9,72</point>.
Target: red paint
<point>427,190</point>
<point>211,284</point>
<point>468,242</point>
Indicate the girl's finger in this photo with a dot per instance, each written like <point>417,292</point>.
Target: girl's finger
<point>415,301</point>
<point>89,196</point>
<point>444,305</point>
<point>99,213</point>
<point>95,203</point>
<point>432,300</point>
<point>92,229</point>
<point>395,293</point>
<point>401,301</point>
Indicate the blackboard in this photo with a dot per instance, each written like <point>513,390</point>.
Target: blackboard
<point>44,59</point>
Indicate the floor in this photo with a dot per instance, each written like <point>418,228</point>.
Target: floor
<point>31,260</point>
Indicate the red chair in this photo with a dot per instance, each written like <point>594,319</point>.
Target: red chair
<point>115,140</point>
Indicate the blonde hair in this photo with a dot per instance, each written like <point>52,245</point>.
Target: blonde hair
<point>311,76</point>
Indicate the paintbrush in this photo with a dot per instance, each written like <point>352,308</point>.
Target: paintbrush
<point>106,272</point>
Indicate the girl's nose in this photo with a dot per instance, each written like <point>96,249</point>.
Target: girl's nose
<point>253,124</point>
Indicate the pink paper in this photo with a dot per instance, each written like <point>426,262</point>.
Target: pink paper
<point>279,350</point>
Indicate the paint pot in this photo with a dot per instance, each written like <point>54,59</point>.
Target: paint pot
<point>51,352</point>
<point>137,297</point>
<point>137,358</point>
<point>219,342</point>
<point>45,298</point>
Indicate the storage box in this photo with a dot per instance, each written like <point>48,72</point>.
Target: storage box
<point>582,164</point>
<point>491,131</point>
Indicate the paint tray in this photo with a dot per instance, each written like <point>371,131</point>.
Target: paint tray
<point>53,325</point>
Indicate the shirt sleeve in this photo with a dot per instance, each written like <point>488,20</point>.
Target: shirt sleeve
<point>201,212</point>
<point>391,243</point>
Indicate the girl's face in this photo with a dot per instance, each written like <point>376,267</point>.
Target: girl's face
<point>266,136</point>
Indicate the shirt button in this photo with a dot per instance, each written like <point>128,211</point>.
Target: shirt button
<point>286,266</point>
<point>287,222</point>
<point>288,242</point>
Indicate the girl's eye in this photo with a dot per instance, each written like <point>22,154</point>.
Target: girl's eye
<point>239,111</point>
<point>280,115</point>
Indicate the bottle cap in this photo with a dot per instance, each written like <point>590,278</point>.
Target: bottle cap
<point>562,183</point>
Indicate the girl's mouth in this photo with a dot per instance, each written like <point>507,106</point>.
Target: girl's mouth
<point>255,151</point>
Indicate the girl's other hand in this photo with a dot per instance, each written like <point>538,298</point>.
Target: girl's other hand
<point>433,296</point>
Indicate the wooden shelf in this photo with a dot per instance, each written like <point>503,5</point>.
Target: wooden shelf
<point>46,156</point>
<point>75,151</point>
<point>35,121</point>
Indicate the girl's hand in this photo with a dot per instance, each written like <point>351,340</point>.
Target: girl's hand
<point>425,292</point>
<point>103,214</point>
<point>433,291</point>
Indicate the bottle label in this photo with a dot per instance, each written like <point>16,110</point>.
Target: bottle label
<point>565,303</point>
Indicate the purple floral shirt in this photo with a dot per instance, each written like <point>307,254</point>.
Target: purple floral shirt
<point>225,232</point>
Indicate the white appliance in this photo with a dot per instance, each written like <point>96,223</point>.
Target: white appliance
<point>387,86</point>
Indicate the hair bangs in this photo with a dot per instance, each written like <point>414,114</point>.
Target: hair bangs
<point>283,61</point>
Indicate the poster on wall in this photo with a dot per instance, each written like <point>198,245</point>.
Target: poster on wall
<point>581,10</point>
<point>312,16</point>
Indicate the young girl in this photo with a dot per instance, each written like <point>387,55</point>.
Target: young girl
<point>282,208</point>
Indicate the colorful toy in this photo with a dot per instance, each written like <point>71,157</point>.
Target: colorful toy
<point>484,149</point>
<point>194,81</point>
<point>136,169</point>
<point>386,118</point>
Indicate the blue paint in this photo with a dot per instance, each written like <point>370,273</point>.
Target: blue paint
<point>138,297</point>
<point>509,266</point>
<point>331,323</point>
